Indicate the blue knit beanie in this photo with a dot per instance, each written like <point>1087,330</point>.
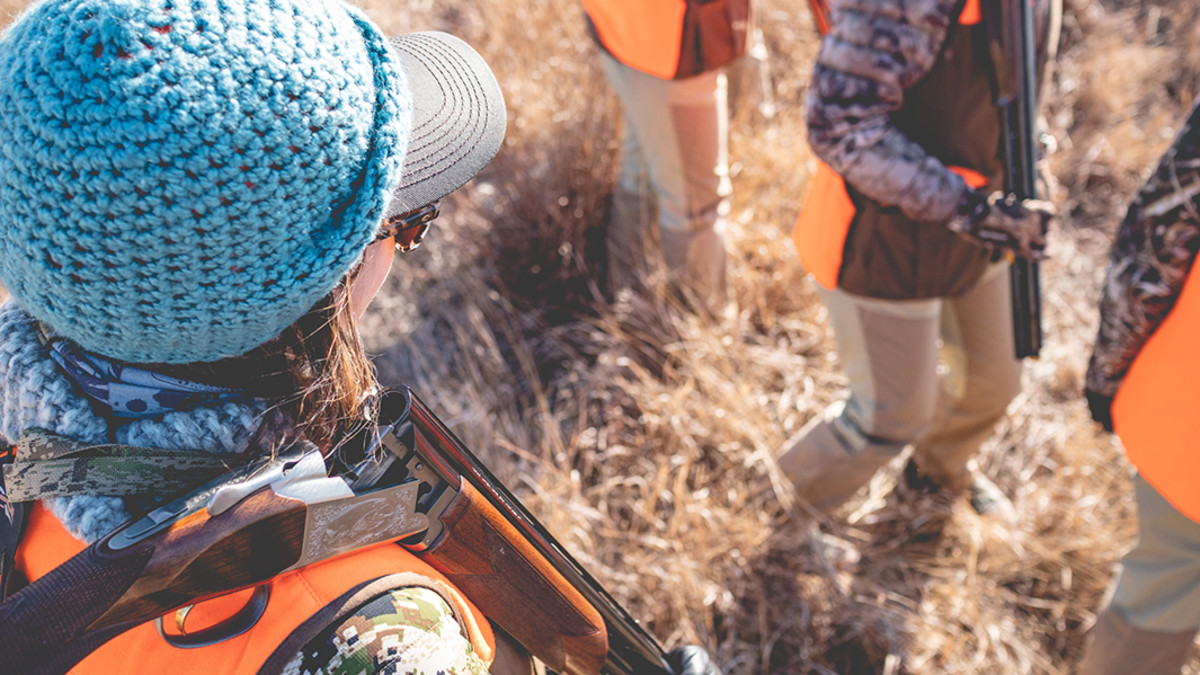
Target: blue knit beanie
<point>180,181</point>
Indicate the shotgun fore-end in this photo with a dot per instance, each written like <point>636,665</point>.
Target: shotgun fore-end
<point>516,587</point>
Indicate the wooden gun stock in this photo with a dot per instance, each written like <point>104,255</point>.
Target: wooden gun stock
<point>500,571</point>
<point>201,557</point>
<point>50,626</point>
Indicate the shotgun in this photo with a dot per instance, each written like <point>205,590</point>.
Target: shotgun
<point>417,485</point>
<point>1011,50</point>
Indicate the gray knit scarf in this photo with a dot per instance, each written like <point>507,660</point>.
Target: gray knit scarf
<point>35,393</point>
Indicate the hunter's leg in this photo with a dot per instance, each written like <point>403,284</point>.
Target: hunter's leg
<point>693,187</point>
<point>983,377</point>
<point>681,130</point>
<point>633,210</point>
<point>888,351</point>
<point>1151,621</point>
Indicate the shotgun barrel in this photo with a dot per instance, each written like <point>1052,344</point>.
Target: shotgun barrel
<point>1011,49</point>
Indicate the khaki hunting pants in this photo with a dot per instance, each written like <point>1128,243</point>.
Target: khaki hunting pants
<point>1151,621</point>
<point>674,159</point>
<point>936,374</point>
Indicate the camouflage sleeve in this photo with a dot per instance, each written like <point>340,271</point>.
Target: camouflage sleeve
<point>410,631</point>
<point>1150,259</point>
<point>875,50</point>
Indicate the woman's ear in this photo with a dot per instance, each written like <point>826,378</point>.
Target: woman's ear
<point>366,281</point>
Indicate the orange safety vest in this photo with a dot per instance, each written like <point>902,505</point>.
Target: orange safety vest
<point>672,39</point>
<point>1154,412</point>
<point>820,231</point>
<point>294,597</point>
<point>642,34</point>
<point>824,223</point>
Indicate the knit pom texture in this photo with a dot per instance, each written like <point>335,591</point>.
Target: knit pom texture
<point>180,180</point>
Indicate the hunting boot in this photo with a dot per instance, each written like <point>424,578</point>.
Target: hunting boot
<point>983,496</point>
<point>1116,647</point>
<point>826,466</point>
<point>697,264</point>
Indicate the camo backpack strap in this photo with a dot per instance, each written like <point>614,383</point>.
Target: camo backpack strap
<point>14,516</point>
<point>45,464</point>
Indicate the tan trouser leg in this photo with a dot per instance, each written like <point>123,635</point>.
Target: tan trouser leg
<point>1152,619</point>
<point>675,142</point>
<point>697,261</point>
<point>1115,647</point>
<point>625,237</point>
<point>1158,588</point>
<point>983,377</point>
<point>888,351</point>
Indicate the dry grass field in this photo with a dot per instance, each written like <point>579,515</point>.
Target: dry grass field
<point>643,437</point>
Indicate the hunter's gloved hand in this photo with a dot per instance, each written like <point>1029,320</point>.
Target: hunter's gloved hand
<point>1000,221</point>
<point>1101,407</point>
<point>691,660</point>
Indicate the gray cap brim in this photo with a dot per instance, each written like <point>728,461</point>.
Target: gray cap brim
<point>458,118</point>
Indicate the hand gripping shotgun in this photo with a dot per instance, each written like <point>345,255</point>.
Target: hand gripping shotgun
<point>417,485</point>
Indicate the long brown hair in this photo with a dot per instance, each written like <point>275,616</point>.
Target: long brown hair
<point>316,369</point>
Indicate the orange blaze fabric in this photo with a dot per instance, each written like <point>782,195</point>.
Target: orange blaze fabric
<point>825,219</point>
<point>295,596</point>
<point>820,232</point>
<point>972,13</point>
<point>1154,412</point>
<point>642,34</point>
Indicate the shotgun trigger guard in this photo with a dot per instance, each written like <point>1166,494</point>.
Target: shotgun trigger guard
<point>239,623</point>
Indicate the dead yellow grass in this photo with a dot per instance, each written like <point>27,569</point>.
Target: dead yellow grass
<point>642,437</point>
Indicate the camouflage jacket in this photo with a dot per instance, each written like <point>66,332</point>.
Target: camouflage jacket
<point>875,50</point>
<point>1150,260</point>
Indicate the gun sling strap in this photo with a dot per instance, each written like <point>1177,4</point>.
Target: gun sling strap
<point>44,464</point>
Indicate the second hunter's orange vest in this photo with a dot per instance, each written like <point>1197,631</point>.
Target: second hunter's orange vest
<point>820,231</point>
<point>642,34</point>
<point>294,597</point>
<point>671,39</point>
<point>1155,411</point>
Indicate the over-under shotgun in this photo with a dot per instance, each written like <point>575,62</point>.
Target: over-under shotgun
<point>417,486</point>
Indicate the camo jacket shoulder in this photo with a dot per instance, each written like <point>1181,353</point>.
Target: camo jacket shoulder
<point>409,631</point>
<point>1151,257</point>
<point>875,50</point>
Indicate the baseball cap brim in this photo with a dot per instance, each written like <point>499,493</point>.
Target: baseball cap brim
<point>458,118</point>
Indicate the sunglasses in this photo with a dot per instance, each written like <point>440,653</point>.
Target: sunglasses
<point>408,229</point>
